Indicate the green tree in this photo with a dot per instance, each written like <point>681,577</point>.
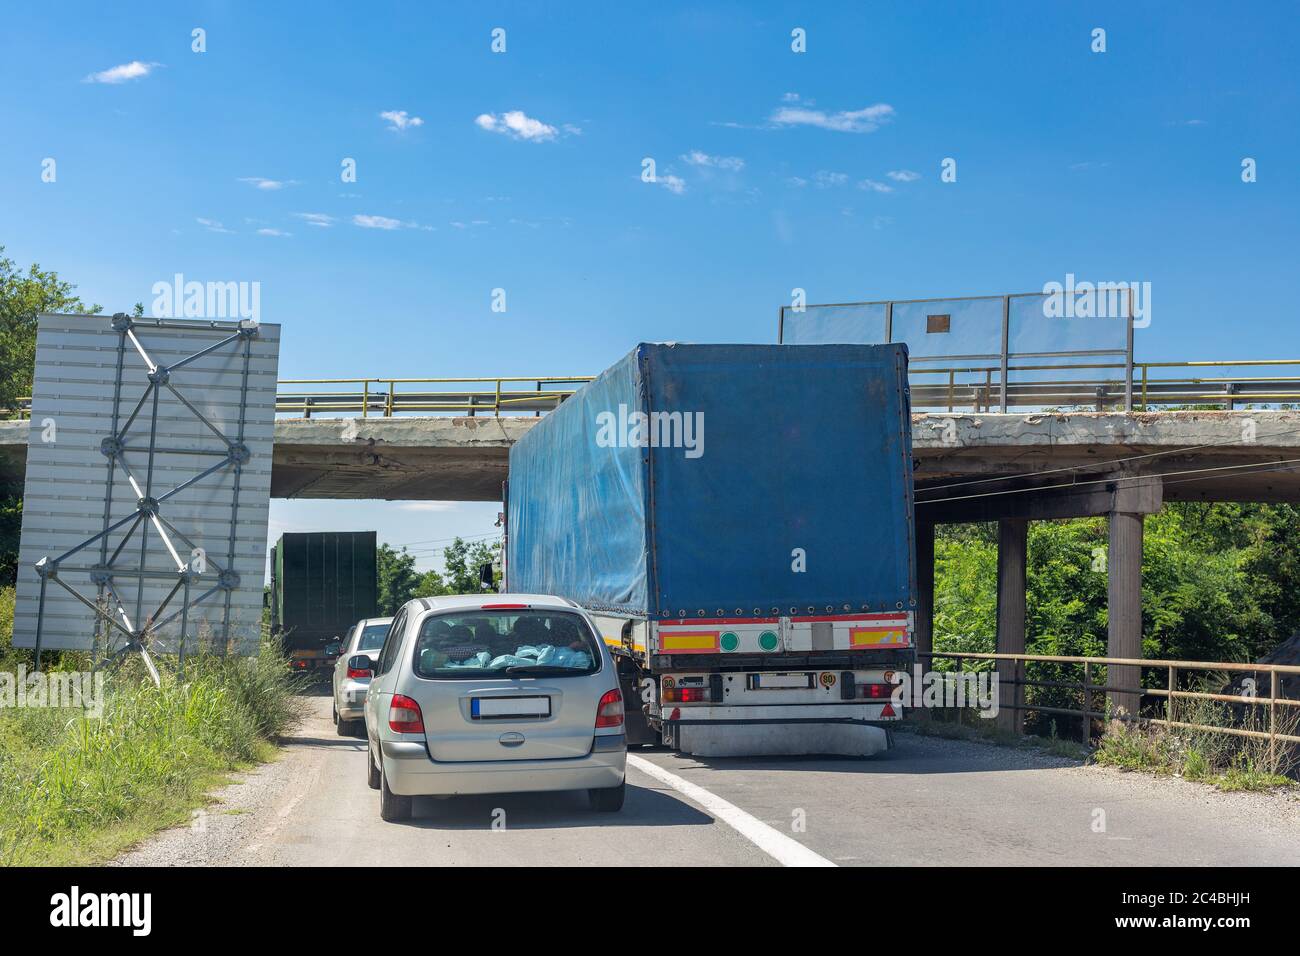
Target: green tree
<point>463,560</point>
<point>23,296</point>
<point>397,578</point>
<point>1219,583</point>
<point>431,584</point>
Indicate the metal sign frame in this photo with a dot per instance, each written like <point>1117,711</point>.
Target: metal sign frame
<point>109,607</point>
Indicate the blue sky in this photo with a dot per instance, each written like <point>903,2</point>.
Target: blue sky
<point>773,173</point>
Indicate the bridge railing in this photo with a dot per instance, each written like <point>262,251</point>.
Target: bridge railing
<point>950,387</point>
<point>1096,675</point>
<point>1102,385</point>
<point>386,397</point>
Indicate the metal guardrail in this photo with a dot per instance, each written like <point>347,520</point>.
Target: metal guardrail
<point>979,387</point>
<point>1170,693</point>
<point>467,396</point>
<point>976,388</point>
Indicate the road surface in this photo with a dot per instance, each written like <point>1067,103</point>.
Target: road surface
<point>927,802</point>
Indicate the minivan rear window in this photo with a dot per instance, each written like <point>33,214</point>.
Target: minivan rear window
<point>372,638</point>
<point>475,644</point>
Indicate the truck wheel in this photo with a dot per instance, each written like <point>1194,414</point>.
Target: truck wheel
<point>608,800</point>
<point>392,808</point>
<point>372,772</point>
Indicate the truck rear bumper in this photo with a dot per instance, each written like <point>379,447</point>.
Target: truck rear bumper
<point>846,730</point>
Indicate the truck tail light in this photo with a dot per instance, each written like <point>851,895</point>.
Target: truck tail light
<point>877,691</point>
<point>404,716</point>
<point>609,712</point>
<point>686,695</point>
<point>887,710</point>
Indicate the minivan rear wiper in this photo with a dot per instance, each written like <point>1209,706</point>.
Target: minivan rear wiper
<point>542,669</point>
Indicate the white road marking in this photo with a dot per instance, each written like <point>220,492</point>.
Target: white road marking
<point>785,850</point>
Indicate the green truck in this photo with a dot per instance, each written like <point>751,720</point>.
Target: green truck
<point>322,583</point>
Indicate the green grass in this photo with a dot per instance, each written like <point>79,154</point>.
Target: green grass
<point>1228,762</point>
<point>78,789</point>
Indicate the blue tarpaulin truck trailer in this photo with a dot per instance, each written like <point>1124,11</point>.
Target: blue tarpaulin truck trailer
<point>739,520</point>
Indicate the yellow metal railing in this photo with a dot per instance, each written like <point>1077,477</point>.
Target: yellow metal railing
<point>467,395</point>
<point>974,385</point>
<point>1015,667</point>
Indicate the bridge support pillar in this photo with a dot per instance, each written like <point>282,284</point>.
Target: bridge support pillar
<point>1013,548</point>
<point>1124,597</point>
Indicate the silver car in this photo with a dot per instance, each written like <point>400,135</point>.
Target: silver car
<point>350,683</point>
<point>493,693</point>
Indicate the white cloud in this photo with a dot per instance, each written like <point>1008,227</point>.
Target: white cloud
<point>903,175</point>
<point>516,124</point>
<point>212,225</point>
<point>698,158</point>
<point>824,179</point>
<point>865,120</point>
<point>384,222</point>
<point>873,186</point>
<point>400,119</point>
<point>316,219</point>
<point>674,184</point>
<point>267,184</point>
<point>376,222</point>
<point>790,97</point>
<point>273,232</point>
<point>122,73</point>
<point>797,181</point>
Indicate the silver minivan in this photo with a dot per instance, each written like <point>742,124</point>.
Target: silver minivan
<point>350,684</point>
<point>493,693</point>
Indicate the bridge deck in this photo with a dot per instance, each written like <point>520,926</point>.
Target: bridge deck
<point>445,458</point>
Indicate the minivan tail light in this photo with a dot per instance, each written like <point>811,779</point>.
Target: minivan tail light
<point>404,716</point>
<point>609,712</point>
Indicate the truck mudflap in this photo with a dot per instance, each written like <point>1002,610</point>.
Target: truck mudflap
<point>848,730</point>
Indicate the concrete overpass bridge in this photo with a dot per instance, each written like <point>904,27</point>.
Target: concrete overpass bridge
<point>971,464</point>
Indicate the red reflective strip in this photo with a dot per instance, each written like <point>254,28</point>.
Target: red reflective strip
<point>696,621</point>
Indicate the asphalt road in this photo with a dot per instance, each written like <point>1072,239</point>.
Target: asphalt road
<point>928,801</point>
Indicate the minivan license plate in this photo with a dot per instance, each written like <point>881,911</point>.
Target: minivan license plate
<point>510,707</point>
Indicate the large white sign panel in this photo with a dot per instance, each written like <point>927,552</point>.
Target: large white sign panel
<point>148,484</point>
